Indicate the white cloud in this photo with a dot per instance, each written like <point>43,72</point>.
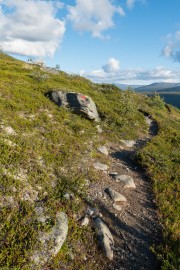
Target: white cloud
<point>172,48</point>
<point>132,76</point>
<point>130,3</point>
<point>112,66</point>
<point>95,16</point>
<point>30,27</point>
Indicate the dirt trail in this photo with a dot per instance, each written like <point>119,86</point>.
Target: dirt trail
<point>136,227</point>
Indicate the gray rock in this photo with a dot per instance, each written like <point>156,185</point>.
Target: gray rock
<point>105,238</point>
<point>79,103</point>
<point>100,166</point>
<point>128,143</point>
<point>68,196</point>
<point>93,212</point>
<point>117,207</point>
<point>113,174</point>
<point>41,217</point>
<point>126,180</point>
<point>84,221</point>
<point>99,129</point>
<point>103,150</point>
<point>115,196</point>
<point>148,120</point>
<point>51,242</point>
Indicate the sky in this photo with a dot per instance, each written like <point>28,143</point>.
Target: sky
<point>110,41</point>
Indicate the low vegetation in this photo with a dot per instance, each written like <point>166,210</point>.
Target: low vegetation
<point>46,152</point>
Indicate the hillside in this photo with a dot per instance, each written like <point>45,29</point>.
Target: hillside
<point>51,192</point>
<point>160,87</point>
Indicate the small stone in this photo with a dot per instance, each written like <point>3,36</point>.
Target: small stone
<point>115,196</point>
<point>100,166</point>
<point>84,221</point>
<point>126,179</point>
<point>129,143</point>
<point>103,150</point>
<point>117,207</point>
<point>148,120</point>
<point>99,129</point>
<point>113,174</point>
<point>92,212</point>
<point>68,196</point>
<point>9,130</point>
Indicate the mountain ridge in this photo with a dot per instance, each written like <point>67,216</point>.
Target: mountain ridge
<point>154,87</point>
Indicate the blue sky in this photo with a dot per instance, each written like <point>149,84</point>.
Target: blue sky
<point>124,41</point>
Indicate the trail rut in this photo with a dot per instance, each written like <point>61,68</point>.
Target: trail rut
<point>136,228</point>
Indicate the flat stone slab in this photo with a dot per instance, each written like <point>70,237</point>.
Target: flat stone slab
<point>105,238</point>
<point>117,207</point>
<point>100,166</point>
<point>127,180</point>
<point>103,150</point>
<point>115,196</point>
<point>129,143</point>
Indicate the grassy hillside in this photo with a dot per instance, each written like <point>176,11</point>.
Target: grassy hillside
<point>46,151</point>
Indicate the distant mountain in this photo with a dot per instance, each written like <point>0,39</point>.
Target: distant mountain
<point>126,86</point>
<point>159,87</point>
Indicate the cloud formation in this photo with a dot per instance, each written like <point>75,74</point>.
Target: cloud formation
<point>172,48</point>
<point>130,3</point>
<point>112,66</point>
<point>131,76</point>
<point>94,16</point>
<point>30,27</point>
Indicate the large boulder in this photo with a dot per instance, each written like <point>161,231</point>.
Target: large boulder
<point>78,103</point>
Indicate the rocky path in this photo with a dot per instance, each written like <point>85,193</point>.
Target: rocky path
<point>126,204</point>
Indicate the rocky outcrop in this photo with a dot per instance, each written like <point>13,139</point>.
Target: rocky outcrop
<point>77,102</point>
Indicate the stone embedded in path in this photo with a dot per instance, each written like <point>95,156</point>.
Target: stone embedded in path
<point>100,166</point>
<point>129,143</point>
<point>117,207</point>
<point>103,150</point>
<point>52,241</point>
<point>115,196</point>
<point>105,237</point>
<point>126,179</point>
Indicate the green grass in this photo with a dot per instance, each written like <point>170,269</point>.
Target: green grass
<point>52,151</point>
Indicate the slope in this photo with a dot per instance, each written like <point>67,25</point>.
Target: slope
<point>48,153</point>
